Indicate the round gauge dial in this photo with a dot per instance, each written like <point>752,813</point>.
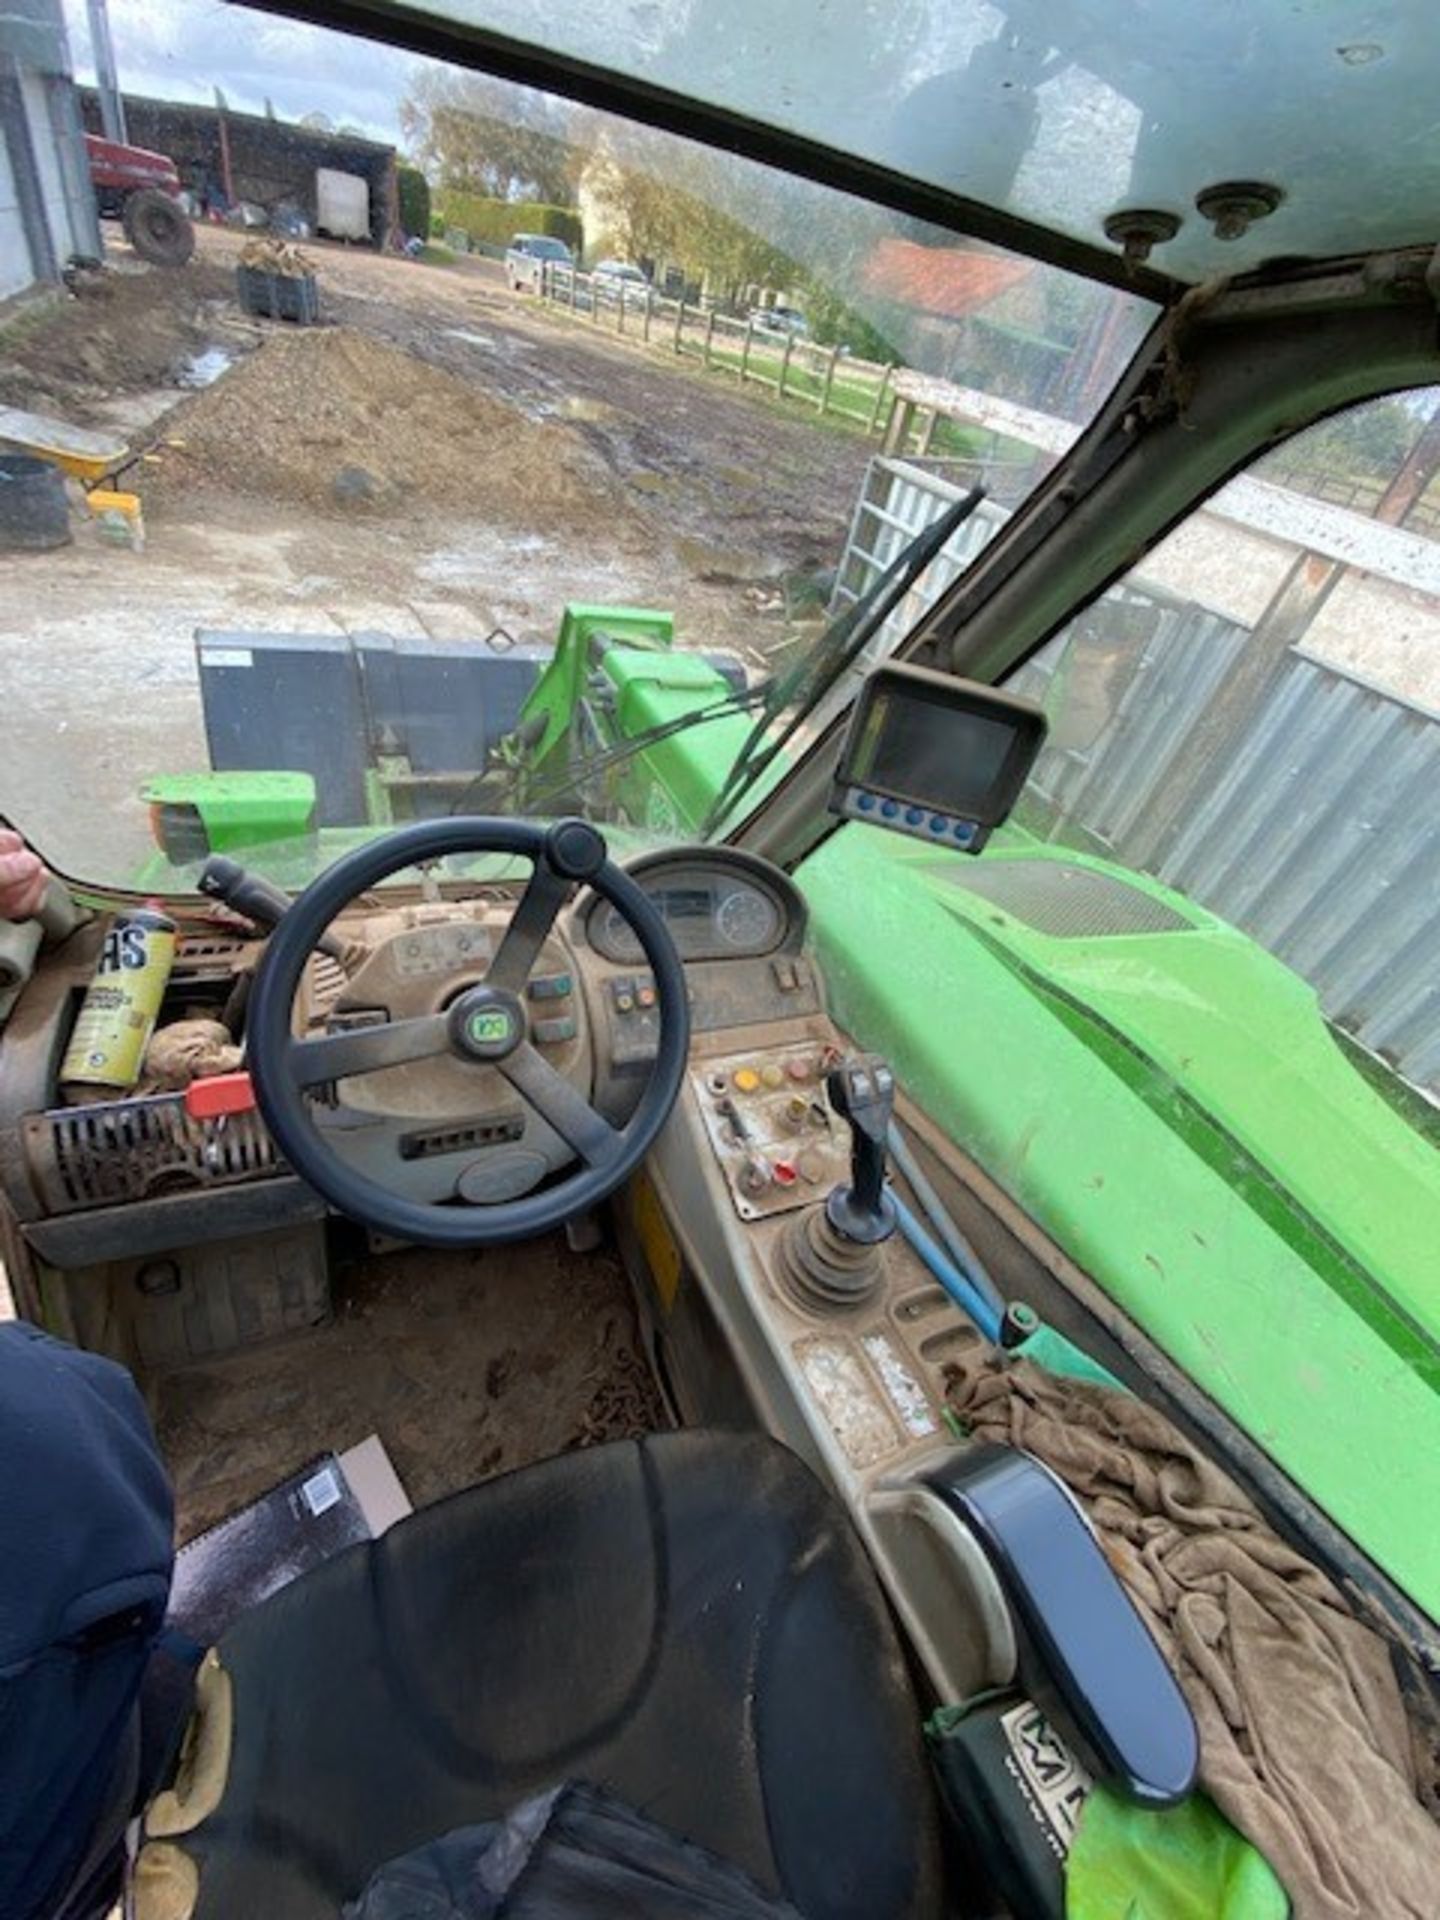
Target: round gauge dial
<point>616,937</point>
<point>746,918</point>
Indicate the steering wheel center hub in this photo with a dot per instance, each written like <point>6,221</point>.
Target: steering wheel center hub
<point>486,1023</point>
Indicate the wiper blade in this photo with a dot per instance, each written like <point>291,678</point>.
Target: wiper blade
<point>575,773</point>
<point>808,681</point>
<point>807,684</point>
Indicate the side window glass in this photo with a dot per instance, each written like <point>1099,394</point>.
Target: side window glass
<point>1253,718</point>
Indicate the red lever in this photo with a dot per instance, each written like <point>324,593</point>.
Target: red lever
<point>222,1093</point>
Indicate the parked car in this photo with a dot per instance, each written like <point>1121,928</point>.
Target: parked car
<point>623,270</point>
<point>781,319</point>
<point>525,260</point>
<point>618,280</point>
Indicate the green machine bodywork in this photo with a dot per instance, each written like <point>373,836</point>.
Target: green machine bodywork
<point>615,678</point>
<point>1168,1102</point>
<point>1161,1095</point>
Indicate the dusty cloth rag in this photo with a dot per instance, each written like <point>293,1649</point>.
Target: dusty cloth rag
<point>1305,1743</point>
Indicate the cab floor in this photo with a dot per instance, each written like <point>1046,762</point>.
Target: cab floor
<point>466,1364</point>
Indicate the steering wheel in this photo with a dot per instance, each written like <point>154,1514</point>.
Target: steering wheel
<point>486,1025</point>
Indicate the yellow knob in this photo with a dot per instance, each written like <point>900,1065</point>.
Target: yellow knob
<point>746,1080</point>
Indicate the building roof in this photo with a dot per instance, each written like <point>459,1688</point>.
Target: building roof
<point>206,113</point>
<point>950,282</point>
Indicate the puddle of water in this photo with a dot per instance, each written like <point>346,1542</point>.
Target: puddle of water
<point>204,369</point>
<point>575,407</point>
<point>470,337</point>
<point>571,406</point>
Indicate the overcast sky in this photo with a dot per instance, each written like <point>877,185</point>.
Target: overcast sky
<point>184,49</point>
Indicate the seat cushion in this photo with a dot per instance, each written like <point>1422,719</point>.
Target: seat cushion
<point>687,1621</point>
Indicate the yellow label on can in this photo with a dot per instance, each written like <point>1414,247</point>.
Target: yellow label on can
<point>118,1016</point>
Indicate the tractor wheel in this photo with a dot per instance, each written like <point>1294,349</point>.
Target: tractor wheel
<point>158,228</point>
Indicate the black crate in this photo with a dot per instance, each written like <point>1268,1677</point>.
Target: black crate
<point>278,296</point>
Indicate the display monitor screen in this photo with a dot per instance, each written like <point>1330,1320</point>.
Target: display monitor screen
<point>922,752</point>
<point>941,743</point>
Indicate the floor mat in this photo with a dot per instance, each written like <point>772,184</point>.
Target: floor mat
<point>466,1364</point>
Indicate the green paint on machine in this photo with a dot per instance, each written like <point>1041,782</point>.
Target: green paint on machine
<point>1165,1099</point>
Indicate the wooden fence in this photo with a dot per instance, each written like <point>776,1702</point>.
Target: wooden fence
<point>829,379</point>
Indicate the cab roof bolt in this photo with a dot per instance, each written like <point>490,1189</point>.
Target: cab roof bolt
<point>1137,229</point>
<point>1234,206</point>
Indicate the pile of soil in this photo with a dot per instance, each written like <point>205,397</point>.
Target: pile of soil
<point>121,333</point>
<point>337,421</point>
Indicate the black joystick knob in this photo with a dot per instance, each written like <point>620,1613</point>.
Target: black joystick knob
<point>862,1092</point>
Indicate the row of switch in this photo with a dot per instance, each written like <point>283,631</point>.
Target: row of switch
<point>940,824</point>
<point>554,1029</point>
<point>758,1174</point>
<point>770,1076</point>
<point>632,996</point>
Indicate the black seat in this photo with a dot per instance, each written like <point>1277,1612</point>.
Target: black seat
<point>687,1621</point>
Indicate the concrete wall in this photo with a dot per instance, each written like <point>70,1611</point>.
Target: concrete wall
<point>47,211</point>
<point>17,270</point>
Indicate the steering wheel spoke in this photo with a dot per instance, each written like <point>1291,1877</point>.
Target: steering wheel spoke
<point>557,1102</point>
<point>534,916</point>
<point>337,1056</point>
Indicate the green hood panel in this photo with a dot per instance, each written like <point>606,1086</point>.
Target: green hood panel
<point>1244,1039</point>
<point>1171,1108</point>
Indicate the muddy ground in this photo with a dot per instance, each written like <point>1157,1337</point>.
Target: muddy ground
<point>679,491</point>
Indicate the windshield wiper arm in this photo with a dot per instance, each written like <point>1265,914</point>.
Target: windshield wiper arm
<point>839,648</point>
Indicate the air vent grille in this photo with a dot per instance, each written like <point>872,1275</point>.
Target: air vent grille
<point>1065,901</point>
<point>106,1154</point>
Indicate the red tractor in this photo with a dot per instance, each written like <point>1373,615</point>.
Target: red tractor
<point>142,190</point>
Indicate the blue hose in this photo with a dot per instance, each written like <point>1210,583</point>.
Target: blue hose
<point>963,1291</point>
<point>940,1222</point>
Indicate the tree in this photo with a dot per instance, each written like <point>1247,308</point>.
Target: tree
<point>479,135</point>
<point>414,192</point>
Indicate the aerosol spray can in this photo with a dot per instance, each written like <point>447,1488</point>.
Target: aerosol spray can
<point>118,1016</point>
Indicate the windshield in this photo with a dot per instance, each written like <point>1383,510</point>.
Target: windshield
<point>389,524</point>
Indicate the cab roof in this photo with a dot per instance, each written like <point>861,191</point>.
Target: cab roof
<point>1032,123</point>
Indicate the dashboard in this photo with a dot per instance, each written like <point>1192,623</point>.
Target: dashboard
<point>715,909</point>
<point>738,923</point>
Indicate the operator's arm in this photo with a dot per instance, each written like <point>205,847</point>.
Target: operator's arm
<point>22,877</point>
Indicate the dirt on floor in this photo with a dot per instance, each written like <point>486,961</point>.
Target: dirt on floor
<point>128,330</point>
<point>467,1365</point>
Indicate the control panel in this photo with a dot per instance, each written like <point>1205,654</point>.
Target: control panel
<point>778,1141</point>
<point>632,1007</point>
<point>943,829</point>
<point>552,1008</point>
<point>443,949</point>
